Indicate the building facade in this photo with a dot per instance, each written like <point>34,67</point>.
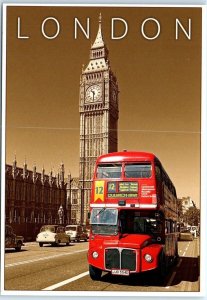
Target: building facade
<point>98,107</point>
<point>34,199</point>
<point>184,204</point>
<point>187,202</point>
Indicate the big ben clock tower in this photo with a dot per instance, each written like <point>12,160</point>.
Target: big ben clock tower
<point>99,115</point>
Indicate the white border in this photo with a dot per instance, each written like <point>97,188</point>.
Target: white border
<point>3,148</point>
<point>161,295</point>
<point>103,5</point>
<point>203,204</point>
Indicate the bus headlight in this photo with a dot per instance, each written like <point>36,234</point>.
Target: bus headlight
<point>148,258</point>
<point>95,254</point>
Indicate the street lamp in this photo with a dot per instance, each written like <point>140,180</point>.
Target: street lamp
<point>60,214</point>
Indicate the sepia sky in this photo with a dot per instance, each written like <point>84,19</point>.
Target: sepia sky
<point>159,82</point>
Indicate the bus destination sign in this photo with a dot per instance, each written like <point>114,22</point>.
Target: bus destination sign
<point>122,195</point>
<point>128,186</point>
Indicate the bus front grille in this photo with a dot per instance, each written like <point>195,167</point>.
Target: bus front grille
<point>120,259</point>
<point>128,259</point>
<point>112,259</point>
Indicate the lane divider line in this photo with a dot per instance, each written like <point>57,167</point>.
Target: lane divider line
<point>42,258</point>
<point>59,284</point>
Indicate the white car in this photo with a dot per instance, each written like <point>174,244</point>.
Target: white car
<point>76,233</point>
<point>194,231</point>
<point>52,234</point>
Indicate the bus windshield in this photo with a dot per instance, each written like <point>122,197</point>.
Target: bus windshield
<point>104,221</point>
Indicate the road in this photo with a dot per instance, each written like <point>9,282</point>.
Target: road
<point>65,268</point>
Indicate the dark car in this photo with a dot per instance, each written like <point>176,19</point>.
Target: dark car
<point>12,240</point>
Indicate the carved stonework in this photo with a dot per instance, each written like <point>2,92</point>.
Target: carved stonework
<point>99,114</point>
<point>33,197</point>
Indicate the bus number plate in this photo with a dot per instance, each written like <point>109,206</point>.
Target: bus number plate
<point>120,272</point>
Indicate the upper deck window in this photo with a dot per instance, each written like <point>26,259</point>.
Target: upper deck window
<point>109,171</point>
<point>138,170</point>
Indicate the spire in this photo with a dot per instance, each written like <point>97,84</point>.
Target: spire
<point>34,172</point>
<point>50,177</point>
<point>14,167</point>
<point>99,43</point>
<point>69,177</point>
<point>98,54</point>
<point>15,161</point>
<point>62,173</point>
<point>58,179</point>
<point>69,181</point>
<point>25,169</point>
<point>43,175</point>
<point>25,162</point>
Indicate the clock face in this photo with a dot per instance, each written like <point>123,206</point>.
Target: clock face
<point>93,93</point>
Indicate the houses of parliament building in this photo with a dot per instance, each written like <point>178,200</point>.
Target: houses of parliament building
<point>34,199</point>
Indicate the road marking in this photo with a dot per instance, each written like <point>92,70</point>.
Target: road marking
<point>42,258</point>
<point>187,246</point>
<point>186,249</point>
<point>59,284</point>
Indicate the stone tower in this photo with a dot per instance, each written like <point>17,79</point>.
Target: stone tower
<point>99,115</point>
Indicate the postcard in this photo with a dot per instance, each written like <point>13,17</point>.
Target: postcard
<point>102,150</point>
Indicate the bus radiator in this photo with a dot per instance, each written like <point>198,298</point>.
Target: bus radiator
<point>120,259</point>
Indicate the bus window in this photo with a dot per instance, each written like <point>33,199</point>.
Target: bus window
<point>109,171</point>
<point>130,223</point>
<point>138,170</point>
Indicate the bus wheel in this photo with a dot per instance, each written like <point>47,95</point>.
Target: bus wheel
<point>95,273</point>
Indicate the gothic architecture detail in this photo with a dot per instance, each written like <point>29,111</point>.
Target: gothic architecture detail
<point>33,199</point>
<point>98,107</point>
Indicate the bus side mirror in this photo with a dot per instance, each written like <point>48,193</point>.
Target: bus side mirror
<point>89,215</point>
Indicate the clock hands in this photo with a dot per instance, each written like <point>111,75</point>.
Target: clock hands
<point>93,92</point>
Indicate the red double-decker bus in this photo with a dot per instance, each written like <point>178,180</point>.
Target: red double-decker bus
<point>133,216</point>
